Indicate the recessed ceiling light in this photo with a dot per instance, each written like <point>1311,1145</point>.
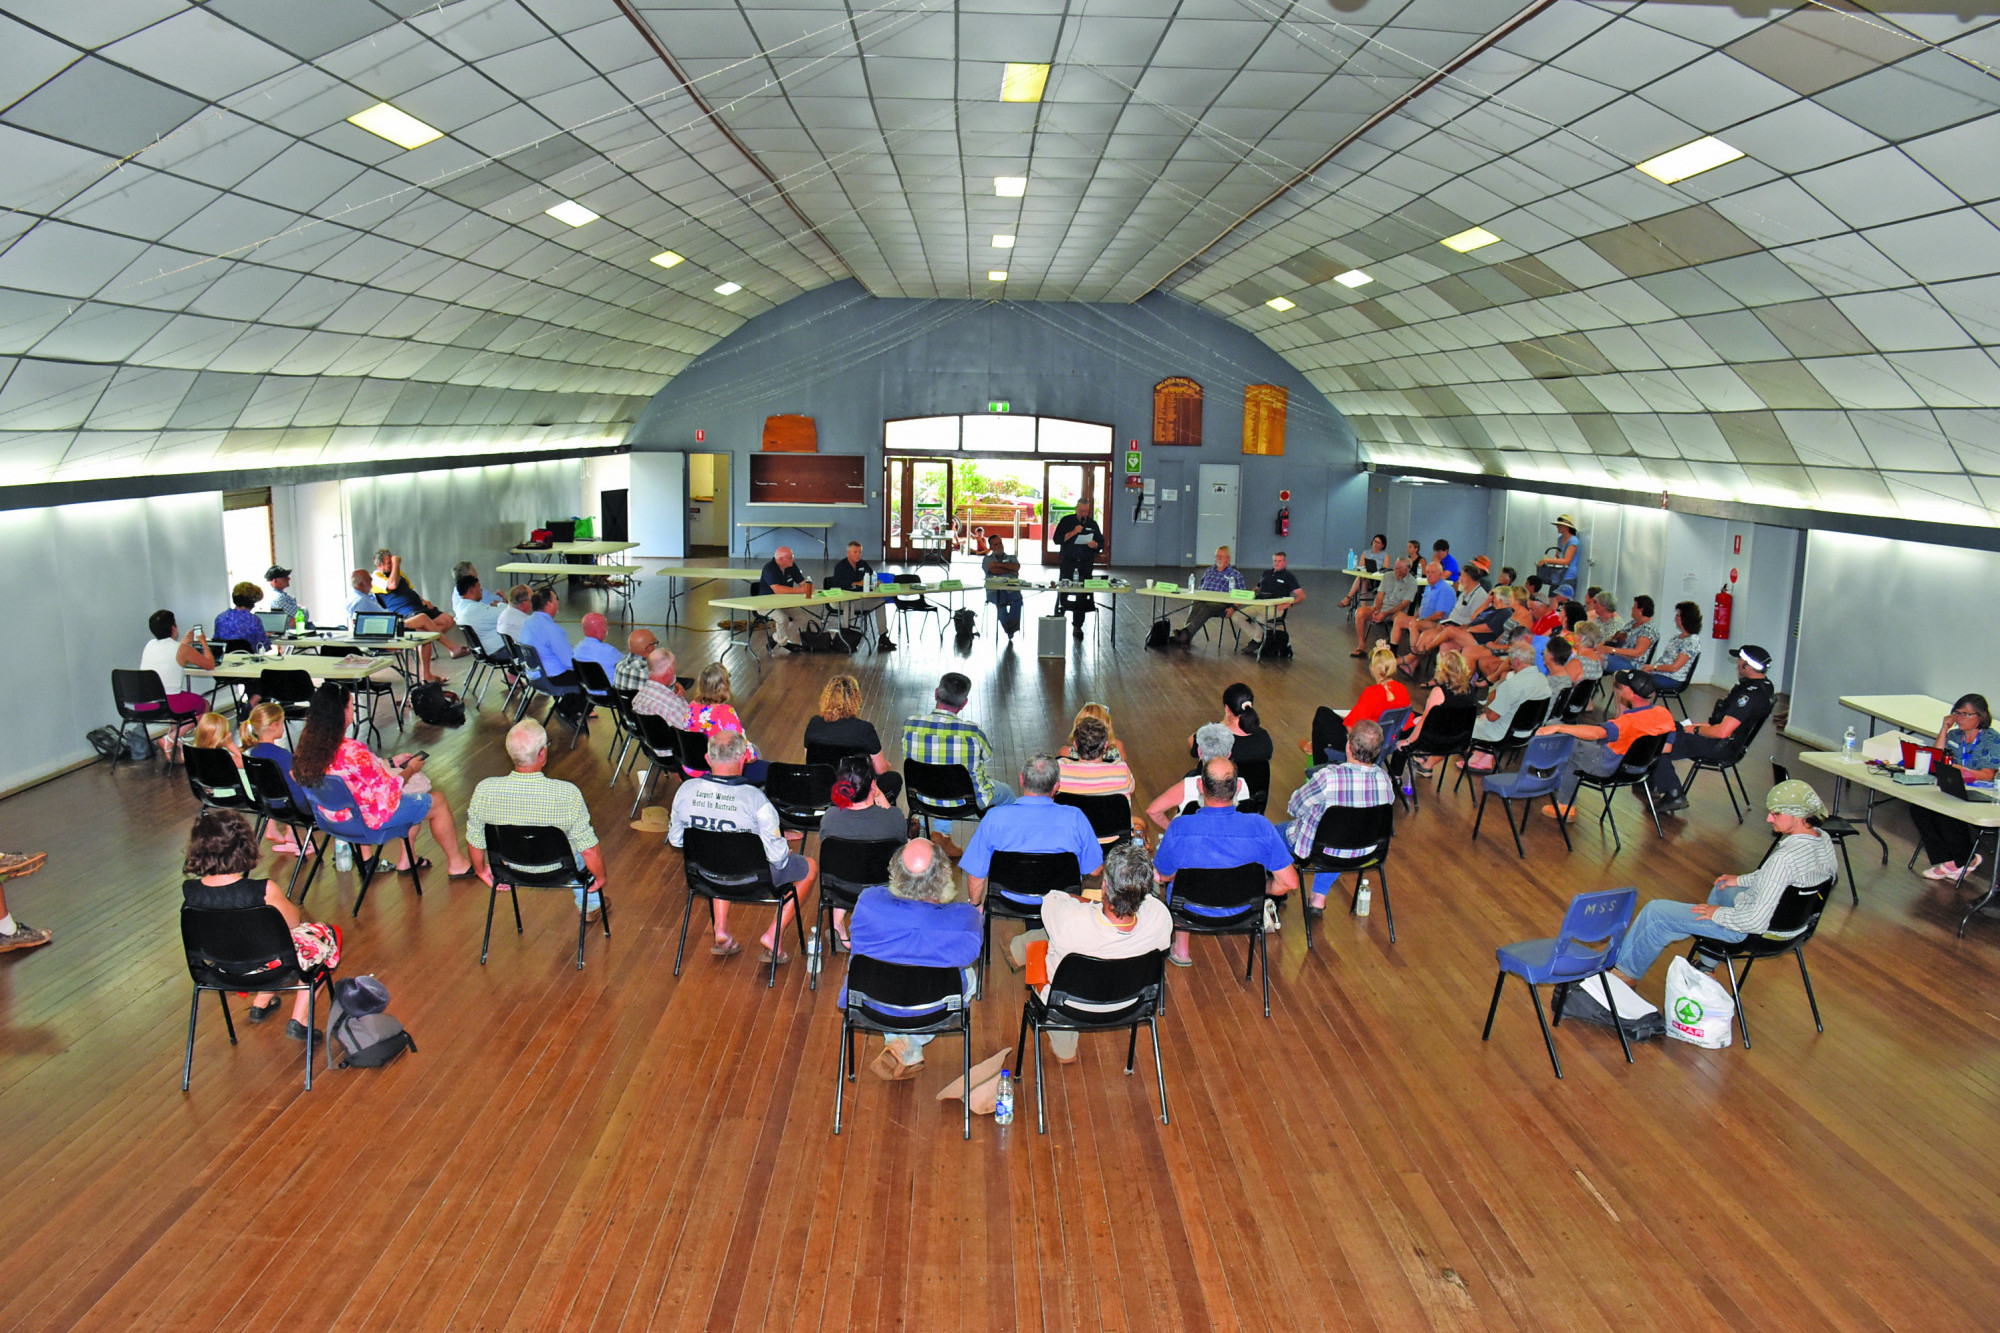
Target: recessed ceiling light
<point>1023,83</point>
<point>729,289</point>
<point>1704,154</point>
<point>1469,239</point>
<point>1354,277</point>
<point>572,212</point>
<point>996,275</point>
<point>1003,242</point>
<point>398,127</point>
<point>1010,187</point>
<point>1280,303</point>
<point>667,259</point>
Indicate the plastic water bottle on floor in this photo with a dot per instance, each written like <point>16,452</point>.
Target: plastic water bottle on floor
<point>812,952</point>
<point>343,855</point>
<point>1850,745</point>
<point>1003,1100</point>
<point>1361,898</point>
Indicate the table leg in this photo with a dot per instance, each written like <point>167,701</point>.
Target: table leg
<point>1992,889</point>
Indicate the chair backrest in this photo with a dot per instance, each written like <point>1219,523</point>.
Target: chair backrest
<point>693,747</point>
<point>1746,737</point>
<point>1232,887</point>
<point>591,676</point>
<point>272,792</point>
<point>510,648</point>
<point>1027,877</point>
<point>1530,714</point>
<point>1546,755</point>
<point>131,688</point>
<point>286,685</point>
<point>877,989</point>
<point>472,641</point>
<point>1363,831</point>
<point>225,647</point>
<point>1580,695</point>
<point>1120,990</point>
<point>1797,913</point>
<point>1447,728</point>
<point>216,781</point>
<point>1639,760</point>
<point>1256,775</point>
<point>531,657</point>
<point>849,865</point>
<point>240,948</point>
<point>799,789</point>
<point>830,755</point>
<point>336,811</point>
<point>939,786</point>
<point>1593,928</point>
<point>533,856</point>
<point>1392,721</point>
<point>727,865</point>
<point>1109,816</point>
<point>1779,773</point>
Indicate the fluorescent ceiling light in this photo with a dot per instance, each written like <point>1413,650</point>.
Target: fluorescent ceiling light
<point>1280,303</point>
<point>398,127</point>
<point>996,275</point>
<point>572,212</point>
<point>667,259</point>
<point>1023,83</point>
<point>1010,187</point>
<point>1704,154</point>
<point>1003,242</point>
<point>1354,277</point>
<point>1469,239</point>
<point>729,289</point>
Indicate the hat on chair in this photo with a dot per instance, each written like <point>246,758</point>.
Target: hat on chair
<point>653,819</point>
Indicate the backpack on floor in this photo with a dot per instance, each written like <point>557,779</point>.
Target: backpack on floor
<point>1161,634</point>
<point>1276,643</point>
<point>965,623</point>
<point>361,1026</point>
<point>822,641</point>
<point>109,743</point>
<point>436,706</point>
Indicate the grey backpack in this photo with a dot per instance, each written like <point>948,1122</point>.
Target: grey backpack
<point>361,1027</point>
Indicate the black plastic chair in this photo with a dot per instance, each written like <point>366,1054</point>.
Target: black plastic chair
<point>509,657</point>
<point>693,747</point>
<point>597,688</point>
<point>141,700</point>
<point>1447,733</point>
<point>486,659</point>
<point>1016,883</point>
<point>941,791</point>
<point>1256,775</point>
<point>1122,992</point>
<point>661,744</point>
<point>847,869</point>
<point>276,804</point>
<point>914,604</point>
<point>1672,690</point>
<point>1235,901</point>
<point>1520,730</point>
<point>802,793</point>
<point>1798,911</point>
<point>291,688</point>
<point>628,732</point>
<point>1110,816</point>
<point>525,856</point>
<point>730,868</point>
<point>1833,826</point>
<point>245,949</point>
<point>1350,838</point>
<point>218,784</point>
<point>880,998</point>
<point>1728,765</point>
<point>1632,771</point>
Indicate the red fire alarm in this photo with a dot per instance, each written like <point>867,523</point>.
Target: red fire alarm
<point>1739,545</point>
<point>1284,497</point>
<point>700,435</point>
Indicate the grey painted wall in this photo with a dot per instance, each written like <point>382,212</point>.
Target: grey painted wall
<point>851,361</point>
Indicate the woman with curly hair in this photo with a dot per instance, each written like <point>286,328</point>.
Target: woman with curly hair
<point>839,726</point>
<point>386,792</point>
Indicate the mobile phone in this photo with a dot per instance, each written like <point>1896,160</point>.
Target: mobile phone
<point>421,754</point>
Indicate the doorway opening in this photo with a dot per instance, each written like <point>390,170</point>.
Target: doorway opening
<point>955,484</point>
<point>247,535</point>
<point>708,504</point>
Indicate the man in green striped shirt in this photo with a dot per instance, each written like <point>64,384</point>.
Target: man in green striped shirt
<point>530,798</point>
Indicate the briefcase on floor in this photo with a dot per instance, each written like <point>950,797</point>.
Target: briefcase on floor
<point>1049,637</point>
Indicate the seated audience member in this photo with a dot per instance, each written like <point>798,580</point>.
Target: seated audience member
<point>1633,645</point>
<point>1467,603</point>
<point>1006,602</point>
<point>240,621</point>
<point>1522,684</point>
<point>1734,717</point>
<point>1563,571</point>
<point>635,667</point>
<point>1031,823</point>
<point>1212,740</point>
<point>1396,594</point>
<point>221,853</point>
<point>1604,613</point>
<point>850,574</point>
<point>1451,686</point>
<point>913,921</point>
<point>361,595</point>
<point>712,713</point>
<point>1969,743</point>
<point>1329,728</point>
<point>1378,551</point>
<point>1673,663</point>
<point>1087,766</point>
<point>782,574</point>
<point>474,609</point>
<point>392,588</point>
<point>1587,650</point>
<point>1357,782</point>
<point>1441,553</point>
<point>259,738</point>
<point>659,695</point>
<point>514,614</point>
<point>1740,905</point>
<point>720,800</point>
<point>1560,663</point>
<point>1429,612</point>
<point>1112,750</point>
<point>941,736</point>
<point>530,798</point>
<point>1495,632</point>
<point>592,647</point>
<point>1129,922</point>
<point>213,731</point>
<point>385,792</point>
<point>1601,746</point>
<point>280,580</point>
<point>1220,837</point>
<point>169,655</point>
<point>839,725</point>
<point>1221,576</point>
<point>860,813</point>
<point>1251,743</point>
<point>541,632</point>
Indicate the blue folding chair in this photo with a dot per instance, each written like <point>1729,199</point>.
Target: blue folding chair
<point>337,815</point>
<point>1567,959</point>
<point>539,683</point>
<point>1538,776</point>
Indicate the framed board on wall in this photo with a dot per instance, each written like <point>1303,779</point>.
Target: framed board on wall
<point>808,479</point>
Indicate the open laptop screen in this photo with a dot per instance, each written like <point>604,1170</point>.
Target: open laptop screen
<point>376,625</point>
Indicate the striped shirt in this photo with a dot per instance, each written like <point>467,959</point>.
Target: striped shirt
<point>633,671</point>
<point>1799,861</point>
<point>1352,785</point>
<point>282,600</point>
<point>1092,777</point>
<point>660,701</point>
<point>529,800</point>
<point>939,737</point>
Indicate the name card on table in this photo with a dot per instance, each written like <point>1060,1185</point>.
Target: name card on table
<point>1242,595</point>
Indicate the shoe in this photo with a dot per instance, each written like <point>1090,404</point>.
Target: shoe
<point>590,918</point>
<point>947,846</point>
<point>1178,961</point>
<point>258,1013</point>
<point>1943,870</point>
<point>1668,805</point>
<point>297,1032</point>
<point>764,956</point>
<point>1359,652</point>
<point>1555,813</point>
<point>793,647</point>
<point>24,936</point>
<point>1076,633</point>
<point>13,865</point>
<point>885,644</point>
<point>1971,865</point>
<point>725,948</point>
<point>1314,914</point>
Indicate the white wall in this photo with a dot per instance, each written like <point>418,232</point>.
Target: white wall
<point>659,503</point>
<point>436,519</point>
<point>99,570</point>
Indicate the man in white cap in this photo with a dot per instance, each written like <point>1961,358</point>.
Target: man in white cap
<point>1729,725</point>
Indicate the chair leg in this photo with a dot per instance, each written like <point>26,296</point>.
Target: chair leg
<point>416,871</point>
<point>965,1079</point>
<point>1653,807</point>
<point>492,901</point>
<point>1548,1038</point>
<point>1264,956</point>
<point>1736,994</point>
<point>1479,816</point>
<point>187,1066</point>
<point>1159,1066</point>
<point>1132,1046</point>
<point>1507,810</point>
<point>1494,1007</point>
<point>1805,976</point>
<point>312,1013</point>
<point>1617,1022</point>
<point>686,915</point>
<point>1852,892</point>
<point>840,1074</point>
<point>1388,910</point>
<point>1041,1109</point>
<point>1021,1042</point>
<point>583,924</point>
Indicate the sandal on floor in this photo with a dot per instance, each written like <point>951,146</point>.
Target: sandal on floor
<point>764,956</point>
<point>1359,652</point>
<point>1180,962</point>
<point>725,948</point>
<point>423,863</point>
<point>466,873</point>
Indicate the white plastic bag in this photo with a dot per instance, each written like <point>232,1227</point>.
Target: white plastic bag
<point>1699,1009</point>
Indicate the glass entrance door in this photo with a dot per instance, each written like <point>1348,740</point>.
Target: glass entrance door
<point>1064,486</point>
<point>919,509</point>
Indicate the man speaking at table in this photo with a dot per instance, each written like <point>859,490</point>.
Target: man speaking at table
<point>1081,541</point>
<point>782,573</point>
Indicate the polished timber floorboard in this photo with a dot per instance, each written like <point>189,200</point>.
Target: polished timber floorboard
<point>618,1149</point>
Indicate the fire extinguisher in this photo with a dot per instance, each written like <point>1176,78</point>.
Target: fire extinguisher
<point>1725,602</point>
<point>1285,521</point>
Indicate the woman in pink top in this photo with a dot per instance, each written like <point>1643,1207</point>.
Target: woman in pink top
<point>711,713</point>
<point>385,792</point>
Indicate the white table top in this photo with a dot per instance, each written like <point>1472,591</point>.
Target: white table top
<point>1372,575</point>
<point>707,572</point>
<point>1219,598</point>
<point>1909,712</point>
<point>410,639</point>
<point>247,666</point>
<point>564,567</point>
<point>1980,814</point>
<point>776,526</point>
<point>576,548</point>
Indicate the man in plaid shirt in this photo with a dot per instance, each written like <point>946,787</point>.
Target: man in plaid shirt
<point>1219,577</point>
<point>530,798</point>
<point>1356,784</point>
<point>633,668</point>
<point>941,736</point>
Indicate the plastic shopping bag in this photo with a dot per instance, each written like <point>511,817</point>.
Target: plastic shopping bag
<point>1699,1009</point>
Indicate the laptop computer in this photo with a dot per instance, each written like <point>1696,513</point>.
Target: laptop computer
<point>1951,781</point>
<point>377,625</point>
<point>274,622</point>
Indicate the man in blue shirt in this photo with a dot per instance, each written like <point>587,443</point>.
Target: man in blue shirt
<point>1219,577</point>
<point>1441,552</point>
<point>592,647</point>
<point>1031,823</point>
<point>1219,837</point>
<point>913,922</point>
<point>362,597</point>
<point>558,673</point>
<point>1431,609</point>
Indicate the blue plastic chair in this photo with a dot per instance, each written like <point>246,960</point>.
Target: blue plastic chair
<point>336,814</point>
<point>1568,959</point>
<point>538,683</point>
<point>1539,775</point>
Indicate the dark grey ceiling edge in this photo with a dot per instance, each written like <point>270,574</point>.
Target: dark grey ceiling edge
<point>1820,520</point>
<point>139,488</point>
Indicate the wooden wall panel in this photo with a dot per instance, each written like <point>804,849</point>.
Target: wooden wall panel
<point>1264,419</point>
<point>790,434</point>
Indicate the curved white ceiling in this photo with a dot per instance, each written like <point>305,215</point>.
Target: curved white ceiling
<point>206,266</point>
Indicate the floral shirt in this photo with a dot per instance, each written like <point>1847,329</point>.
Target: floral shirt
<point>1670,649</point>
<point>377,789</point>
<point>712,720</point>
<point>1982,751</point>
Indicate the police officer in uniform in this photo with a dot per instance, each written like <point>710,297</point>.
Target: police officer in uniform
<point>1739,713</point>
<point>1080,540</point>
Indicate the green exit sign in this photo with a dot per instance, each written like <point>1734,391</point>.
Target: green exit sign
<point>999,407</point>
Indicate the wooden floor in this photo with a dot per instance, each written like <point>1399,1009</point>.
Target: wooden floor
<point>618,1149</point>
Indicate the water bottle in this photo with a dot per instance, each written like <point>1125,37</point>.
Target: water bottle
<point>1350,559</point>
<point>1361,898</point>
<point>343,855</point>
<point>298,622</point>
<point>812,953</point>
<point>1003,1100</point>
<point>1850,745</point>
